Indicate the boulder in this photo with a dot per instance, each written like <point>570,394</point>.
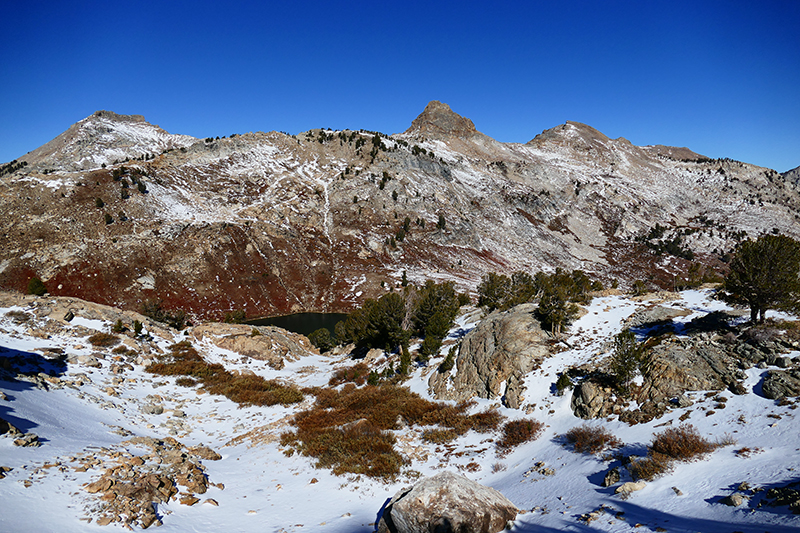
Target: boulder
<point>734,500</point>
<point>679,365</point>
<point>630,486</point>
<point>270,344</point>
<point>591,400</point>
<point>8,427</point>
<point>494,357</point>
<point>611,478</point>
<point>781,384</point>
<point>447,503</point>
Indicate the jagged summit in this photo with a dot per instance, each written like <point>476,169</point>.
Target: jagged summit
<point>116,116</point>
<point>438,120</point>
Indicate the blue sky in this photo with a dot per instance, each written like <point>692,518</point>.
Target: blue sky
<point>722,78</point>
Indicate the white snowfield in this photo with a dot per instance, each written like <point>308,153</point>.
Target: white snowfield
<point>266,491</point>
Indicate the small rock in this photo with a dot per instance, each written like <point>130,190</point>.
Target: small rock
<point>28,440</point>
<point>211,501</point>
<point>677,491</point>
<point>743,486</point>
<point>89,360</point>
<point>683,401</point>
<point>734,500</point>
<point>105,520</point>
<point>783,362</point>
<point>630,486</point>
<point>152,409</point>
<point>611,477</point>
<point>189,500</point>
<point>69,316</point>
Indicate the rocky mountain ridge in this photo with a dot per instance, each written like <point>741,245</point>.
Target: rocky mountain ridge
<point>118,211</point>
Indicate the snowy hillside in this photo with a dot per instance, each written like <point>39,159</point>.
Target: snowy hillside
<point>94,408</point>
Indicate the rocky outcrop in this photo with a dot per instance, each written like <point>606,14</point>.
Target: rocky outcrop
<point>591,399</point>
<point>494,357</point>
<point>129,490</point>
<point>781,384</point>
<point>266,343</point>
<point>677,365</point>
<point>447,503</point>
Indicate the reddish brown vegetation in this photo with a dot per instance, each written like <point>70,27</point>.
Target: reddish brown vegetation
<point>516,432</point>
<point>357,374</point>
<point>346,430</point>
<point>591,439</point>
<point>682,444</point>
<point>103,340</point>
<point>184,361</point>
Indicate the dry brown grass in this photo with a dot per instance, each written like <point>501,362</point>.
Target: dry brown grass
<point>103,340</point>
<point>650,467</point>
<point>439,436</point>
<point>680,444</point>
<point>515,432</point>
<point>184,361</point>
<point>357,374</point>
<point>346,430</point>
<point>591,439</point>
<point>19,317</point>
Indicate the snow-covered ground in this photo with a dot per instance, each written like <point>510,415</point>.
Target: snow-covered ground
<point>264,490</point>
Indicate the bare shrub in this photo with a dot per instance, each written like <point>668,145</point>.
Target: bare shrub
<point>19,317</point>
<point>103,340</point>
<point>515,432</point>
<point>650,467</point>
<point>591,439</point>
<point>346,430</point>
<point>184,361</point>
<point>682,443</point>
<point>357,374</point>
<point>439,436</point>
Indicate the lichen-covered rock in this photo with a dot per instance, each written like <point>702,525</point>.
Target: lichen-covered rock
<point>591,400</point>
<point>447,503</point>
<point>693,364</point>
<point>494,357</point>
<point>781,384</point>
<point>271,344</point>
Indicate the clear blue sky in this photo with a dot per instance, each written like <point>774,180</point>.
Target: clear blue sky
<point>722,78</point>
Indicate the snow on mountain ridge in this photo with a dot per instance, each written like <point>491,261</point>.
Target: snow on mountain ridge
<point>571,198</point>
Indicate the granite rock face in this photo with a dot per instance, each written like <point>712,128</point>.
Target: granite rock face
<point>494,357</point>
<point>271,344</point>
<point>447,503</point>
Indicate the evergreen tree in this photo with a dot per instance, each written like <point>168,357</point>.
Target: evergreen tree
<point>765,274</point>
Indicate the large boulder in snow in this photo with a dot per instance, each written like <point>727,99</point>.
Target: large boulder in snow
<point>781,384</point>
<point>494,357</point>
<point>447,503</point>
<point>270,344</point>
<point>592,400</point>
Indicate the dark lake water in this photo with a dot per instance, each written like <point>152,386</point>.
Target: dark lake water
<point>302,323</point>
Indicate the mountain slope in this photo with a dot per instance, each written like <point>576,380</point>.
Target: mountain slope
<point>274,223</point>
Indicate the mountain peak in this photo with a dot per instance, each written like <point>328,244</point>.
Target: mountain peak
<point>438,120</point>
<point>116,116</point>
